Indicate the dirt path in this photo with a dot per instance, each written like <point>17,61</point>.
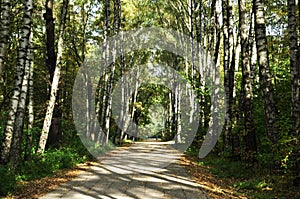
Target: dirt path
<point>144,170</point>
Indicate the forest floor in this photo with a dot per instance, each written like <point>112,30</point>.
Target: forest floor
<point>224,178</point>
<point>216,188</point>
<point>213,184</point>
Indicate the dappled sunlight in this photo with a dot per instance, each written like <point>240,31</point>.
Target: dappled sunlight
<point>141,157</point>
<point>136,172</point>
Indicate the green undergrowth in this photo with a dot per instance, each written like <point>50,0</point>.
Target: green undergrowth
<point>39,166</point>
<point>254,182</point>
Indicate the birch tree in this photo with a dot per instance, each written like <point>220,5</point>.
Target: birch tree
<point>295,66</point>
<point>116,29</point>
<point>265,78</point>
<point>29,136</point>
<point>16,148</point>
<point>17,103</point>
<point>55,82</point>
<point>106,48</point>
<point>4,32</point>
<point>249,137</point>
<point>50,64</point>
<point>228,61</point>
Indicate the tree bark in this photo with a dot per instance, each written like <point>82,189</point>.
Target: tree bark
<point>253,50</point>
<point>15,100</point>
<point>295,66</point>
<point>249,136</point>
<point>29,136</point>
<point>51,63</point>
<point>228,61</point>
<point>264,72</point>
<point>50,38</point>
<point>298,53</point>
<point>55,82</point>
<point>104,87</point>
<point>16,150</point>
<point>4,32</point>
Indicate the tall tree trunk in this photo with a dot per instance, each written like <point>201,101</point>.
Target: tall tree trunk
<point>170,116</point>
<point>295,67</point>
<point>51,63</point>
<point>213,25</point>
<point>253,50</point>
<point>232,50</point>
<point>201,82</point>
<point>123,112</point>
<point>50,38</point>
<point>116,28</point>
<point>249,136</point>
<point>88,84</point>
<point>104,87</point>
<point>192,34</point>
<point>55,82</point>
<point>178,113</point>
<point>218,33</point>
<point>4,32</point>
<point>29,136</point>
<point>298,65</point>
<point>225,133</point>
<point>228,61</point>
<point>15,153</point>
<point>264,72</point>
<point>126,92</point>
<point>15,100</point>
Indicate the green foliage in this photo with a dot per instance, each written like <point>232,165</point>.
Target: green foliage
<point>193,150</point>
<point>38,167</point>
<point>7,180</point>
<point>226,168</point>
<point>288,153</point>
<point>256,184</point>
<point>48,163</point>
<point>71,153</point>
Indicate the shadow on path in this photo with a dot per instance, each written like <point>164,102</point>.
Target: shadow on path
<point>144,170</point>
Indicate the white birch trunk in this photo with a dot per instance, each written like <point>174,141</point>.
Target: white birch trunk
<point>265,78</point>
<point>14,103</point>
<point>4,32</point>
<point>15,153</point>
<point>29,135</point>
<point>55,82</point>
